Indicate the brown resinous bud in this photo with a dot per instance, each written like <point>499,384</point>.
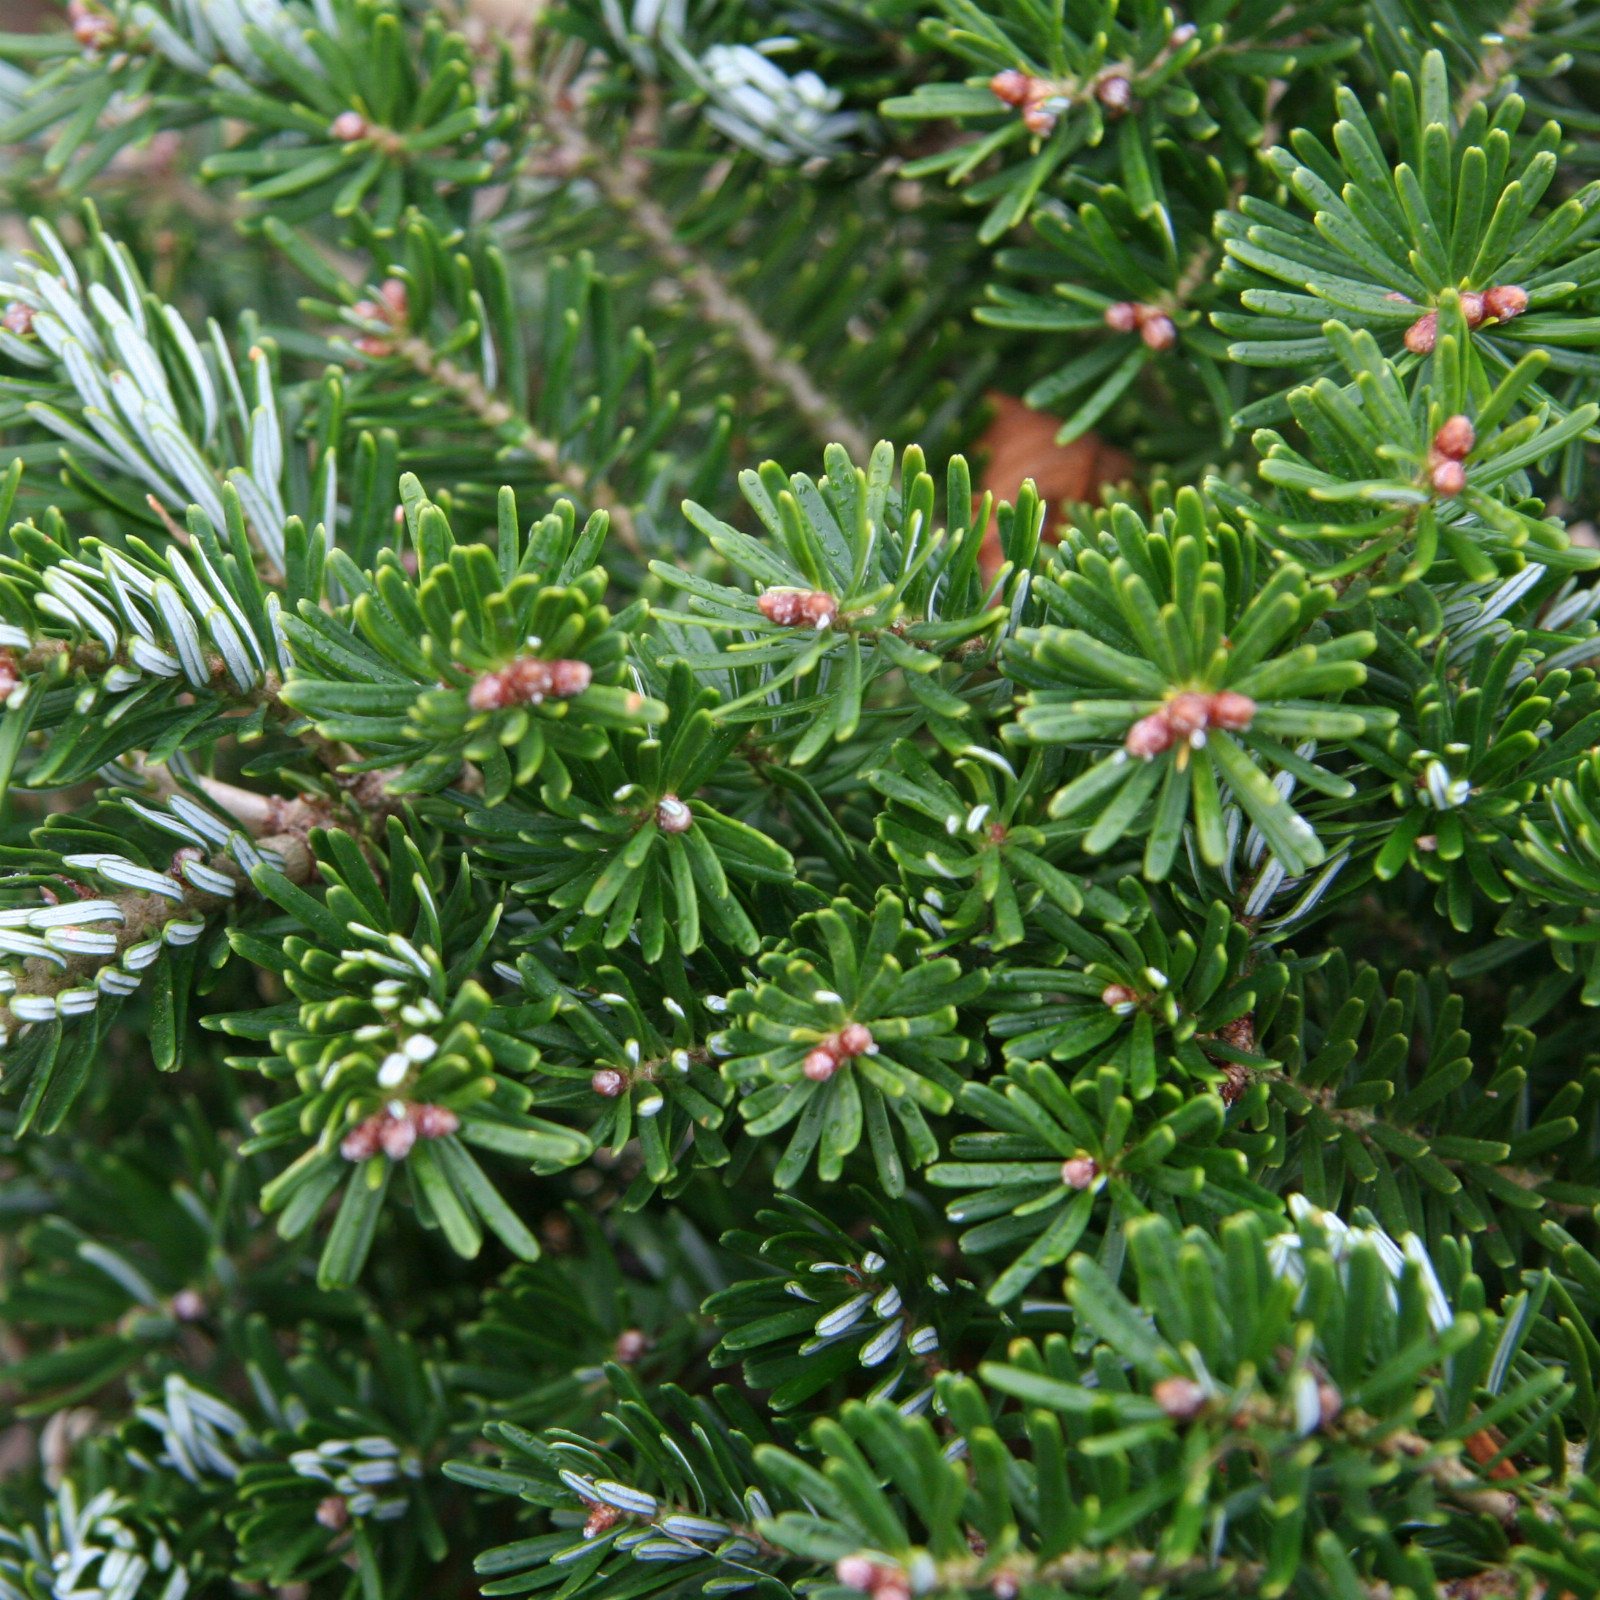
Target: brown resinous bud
<point>1423,334</point>
<point>396,1128</point>
<point>1180,1398</point>
<point>608,1082</point>
<point>18,319</point>
<point>1455,438</point>
<point>348,126</point>
<point>602,1518</point>
<point>856,1572</point>
<point>1114,93</point>
<point>1149,736</point>
<point>527,681</point>
<point>1078,1172</point>
<point>1499,304</point>
<point>333,1512</point>
<point>1505,301</point>
<point>1010,86</point>
<point>1452,444</point>
<point>1039,119</point>
<point>396,300</point>
<point>1187,716</point>
<point>1154,326</point>
<point>1330,1403</point>
<point>853,1039</point>
<point>1159,332</point>
<point>1232,710</point>
<point>672,815</point>
<point>92,29</point>
<point>630,1345</point>
<point>798,608</point>
<point>187,1306</point>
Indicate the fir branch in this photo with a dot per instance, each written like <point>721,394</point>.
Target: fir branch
<point>625,182</point>
<point>1500,61</point>
<point>494,413</point>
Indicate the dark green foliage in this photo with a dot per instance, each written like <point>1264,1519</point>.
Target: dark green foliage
<point>845,970</point>
<point>807,1015</point>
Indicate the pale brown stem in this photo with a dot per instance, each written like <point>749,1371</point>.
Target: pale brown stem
<point>1502,57</point>
<point>626,184</point>
<point>493,412</point>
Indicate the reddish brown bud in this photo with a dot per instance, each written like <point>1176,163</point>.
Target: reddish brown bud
<point>1149,736</point>
<point>1505,301</point>
<point>1232,711</point>
<point>1122,317</point>
<point>1010,86</point>
<point>569,678</point>
<point>90,28</point>
<point>378,349</point>
<point>1180,1398</point>
<point>1472,308</point>
<point>369,311</point>
<point>361,1143</point>
<point>855,1039</point>
<point>1115,93</point>
<point>396,302</point>
<point>348,126</point>
<point>1118,994</point>
<point>182,854</point>
<point>527,681</point>
<point>10,673</point>
<point>855,1572</point>
<point>1187,713</point>
<point>1037,120</point>
<point>397,1135</point>
<point>820,1064</point>
<point>1003,1586</point>
<point>797,608</point>
<point>333,1512</point>
<point>1079,1172</point>
<point>608,1082</point>
<point>1422,335</point>
<point>187,1306</point>
<point>630,1346</point>
<point>1449,479</point>
<point>1455,438</point>
<point>892,1588</point>
<point>1331,1402</point>
<point>1159,332</point>
<point>602,1518</point>
<point>18,319</point>
<point>488,693</point>
<point>672,815</point>
<point>434,1122</point>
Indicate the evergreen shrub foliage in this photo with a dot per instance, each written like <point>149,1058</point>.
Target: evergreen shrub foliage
<point>628,972</point>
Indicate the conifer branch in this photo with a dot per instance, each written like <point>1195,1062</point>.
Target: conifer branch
<point>1501,57</point>
<point>494,413</point>
<point>625,182</point>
